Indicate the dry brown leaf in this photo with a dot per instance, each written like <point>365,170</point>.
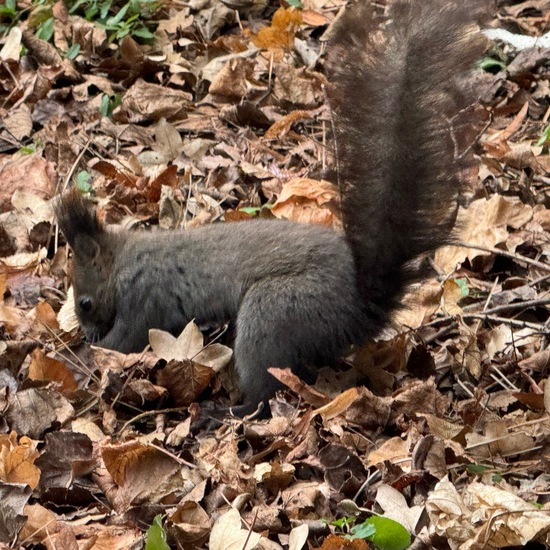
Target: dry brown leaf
<point>13,499</point>
<point>314,18</point>
<point>484,224</point>
<point>33,411</point>
<point>17,460</point>
<point>189,345</point>
<point>184,380</point>
<point>338,405</point>
<point>498,339</point>
<point>308,393</point>
<point>298,537</point>
<point>336,542</point>
<point>191,525</point>
<point>30,173</point>
<point>40,523</point>
<point>419,304</point>
<point>130,466</point>
<point>66,316</point>
<point>275,476</point>
<point>280,35</point>
<point>441,427</point>
<point>513,127</point>
<point>151,102</point>
<point>12,45</point>
<point>19,122</point>
<point>394,449</point>
<point>51,370</point>
<point>498,441</point>
<point>308,201</point>
<point>233,79</point>
<point>282,126</point>
<point>450,517</point>
<point>537,362</point>
<point>501,518</point>
<point>45,315</point>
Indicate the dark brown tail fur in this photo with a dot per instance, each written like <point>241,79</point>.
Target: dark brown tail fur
<point>399,84</point>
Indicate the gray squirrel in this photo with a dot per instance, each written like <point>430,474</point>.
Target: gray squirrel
<point>302,295</point>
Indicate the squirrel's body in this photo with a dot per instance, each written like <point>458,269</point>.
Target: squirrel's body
<point>301,295</point>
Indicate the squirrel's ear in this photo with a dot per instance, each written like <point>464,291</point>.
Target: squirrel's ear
<point>86,248</point>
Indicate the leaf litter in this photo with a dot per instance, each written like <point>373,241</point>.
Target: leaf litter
<point>220,115</point>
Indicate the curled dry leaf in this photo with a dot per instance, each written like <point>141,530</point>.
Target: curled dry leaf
<point>13,499</point>
<point>17,460</point>
<point>484,223</point>
<point>66,316</point>
<point>502,519</point>
<point>308,201</point>
<point>191,525</point>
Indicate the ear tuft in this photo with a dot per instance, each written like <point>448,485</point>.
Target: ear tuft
<point>79,222</point>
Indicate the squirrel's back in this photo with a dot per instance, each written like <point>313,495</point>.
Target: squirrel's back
<point>401,93</point>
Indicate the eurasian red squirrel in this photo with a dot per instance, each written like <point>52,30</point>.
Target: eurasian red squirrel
<point>301,295</point>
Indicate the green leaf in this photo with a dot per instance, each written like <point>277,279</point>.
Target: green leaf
<point>45,31</point>
<point>491,65</point>
<point>115,20</point>
<point>104,105</point>
<point>8,9</point>
<point>109,103</point>
<point>76,5</point>
<point>252,210</point>
<point>143,33</point>
<point>295,4</point>
<point>477,469</point>
<point>343,522</point>
<point>463,286</point>
<point>104,10</point>
<point>83,182</point>
<point>388,534</point>
<point>544,138</point>
<point>72,52</point>
<point>362,531</point>
<point>155,538</point>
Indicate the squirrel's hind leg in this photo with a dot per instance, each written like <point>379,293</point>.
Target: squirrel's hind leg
<point>291,322</point>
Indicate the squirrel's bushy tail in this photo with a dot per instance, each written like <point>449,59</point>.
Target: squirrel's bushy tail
<point>401,94</point>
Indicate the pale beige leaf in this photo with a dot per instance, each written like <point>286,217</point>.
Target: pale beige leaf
<point>298,537</point>
<point>228,535</point>
<point>395,507</point>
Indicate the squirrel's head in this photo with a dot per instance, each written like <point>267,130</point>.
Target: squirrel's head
<point>93,258</point>
<point>93,294</point>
